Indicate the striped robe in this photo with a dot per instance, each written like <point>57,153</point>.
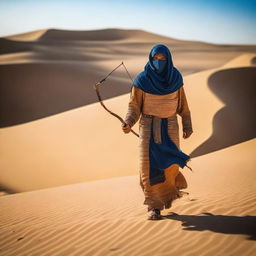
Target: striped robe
<point>160,195</point>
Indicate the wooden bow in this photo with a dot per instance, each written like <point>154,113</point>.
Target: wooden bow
<point>96,87</point>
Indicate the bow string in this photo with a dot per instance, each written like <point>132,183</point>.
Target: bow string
<point>97,85</point>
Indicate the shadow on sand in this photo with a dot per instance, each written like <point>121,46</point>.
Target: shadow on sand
<point>243,225</point>
<point>48,89</point>
<point>235,122</point>
<point>7,190</point>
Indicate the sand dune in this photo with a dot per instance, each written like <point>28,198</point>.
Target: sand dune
<point>28,36</point>
<point>64,148</point>
<point>63,65</point>
<point>54,133</point>
<point>62,87</point>
<point>233,123</point>
<point>101,35</point>
<point>107,217</point>
<point>222,98</point>
<point>88,35</point>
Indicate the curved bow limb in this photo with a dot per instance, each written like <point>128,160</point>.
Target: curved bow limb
<point>96,86</point>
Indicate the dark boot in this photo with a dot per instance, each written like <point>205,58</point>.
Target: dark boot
<point>154,214</point>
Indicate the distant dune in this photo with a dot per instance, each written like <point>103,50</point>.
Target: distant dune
<point>89,35</point>
<point>47,72</point>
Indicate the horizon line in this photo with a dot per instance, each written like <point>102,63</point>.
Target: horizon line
<point>122,28</point>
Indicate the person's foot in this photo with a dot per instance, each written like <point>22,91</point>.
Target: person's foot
<point>154,214</point>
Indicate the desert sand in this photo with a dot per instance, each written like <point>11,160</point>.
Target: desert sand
<point>107,217</point>
<point>77,172</point>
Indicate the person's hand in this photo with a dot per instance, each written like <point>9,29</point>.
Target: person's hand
<point>126,128</point>
<point>187,133</point>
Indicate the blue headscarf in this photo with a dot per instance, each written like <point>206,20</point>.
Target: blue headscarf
<point>165,82</point>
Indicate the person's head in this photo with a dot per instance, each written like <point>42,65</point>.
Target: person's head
<point>159,57</point>
<point>159,75</point>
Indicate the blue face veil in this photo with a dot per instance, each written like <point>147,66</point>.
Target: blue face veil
<point>159,77</point>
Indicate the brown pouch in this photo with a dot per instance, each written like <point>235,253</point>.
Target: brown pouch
<point>156,126</point>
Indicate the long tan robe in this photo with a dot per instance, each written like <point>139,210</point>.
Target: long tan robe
<point>160,195</point>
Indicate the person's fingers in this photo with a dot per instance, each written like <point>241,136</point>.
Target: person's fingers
<point>126,128</point>
<point>186,134</point>
<point>125,125</point>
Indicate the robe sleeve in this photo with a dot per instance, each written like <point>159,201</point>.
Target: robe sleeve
<point>184,111</point>
<point>134,106</point>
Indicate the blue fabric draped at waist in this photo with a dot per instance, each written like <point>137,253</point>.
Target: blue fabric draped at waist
<point>164,154</point>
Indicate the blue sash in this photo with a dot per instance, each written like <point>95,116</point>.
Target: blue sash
<point>164,154</point>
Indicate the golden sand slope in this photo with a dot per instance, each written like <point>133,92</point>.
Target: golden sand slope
<point>87,143</point>
<point>205,106</point>
<point>107,217</point>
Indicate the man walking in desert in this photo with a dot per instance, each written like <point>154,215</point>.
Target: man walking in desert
<point>156,97</point>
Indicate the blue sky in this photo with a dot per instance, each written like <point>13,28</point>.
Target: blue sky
<point>216,21</point>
